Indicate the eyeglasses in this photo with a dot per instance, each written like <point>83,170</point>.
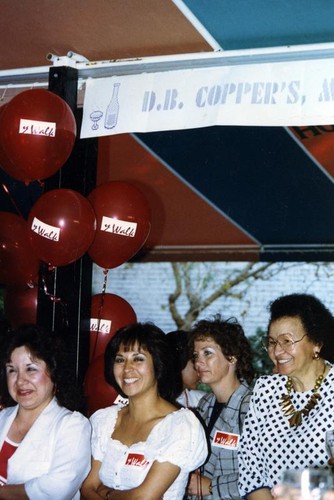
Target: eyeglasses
<point>286,343</point>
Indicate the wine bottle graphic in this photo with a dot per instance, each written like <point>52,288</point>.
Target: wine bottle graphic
<point>112,109</point>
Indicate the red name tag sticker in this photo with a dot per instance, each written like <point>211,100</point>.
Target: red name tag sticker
<point>226,440</point>
<point>136,460</point>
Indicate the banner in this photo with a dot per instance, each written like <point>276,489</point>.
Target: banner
<point>290,93</point>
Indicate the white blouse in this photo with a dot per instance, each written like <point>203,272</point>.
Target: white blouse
<point>179,439</point>
<point>54,457</point>
<point>189,398</point>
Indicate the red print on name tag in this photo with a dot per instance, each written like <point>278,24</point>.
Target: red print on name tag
<point>226,440</point>
<point>136,459</point>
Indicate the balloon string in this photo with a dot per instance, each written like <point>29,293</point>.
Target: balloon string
<point>104,287</point>
<point>55,299</point>
<point>5,188</point>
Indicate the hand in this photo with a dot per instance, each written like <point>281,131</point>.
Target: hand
<point>103,491</point>
<point>331,462</point>
<point>280,492</point>
<point>198,484</point>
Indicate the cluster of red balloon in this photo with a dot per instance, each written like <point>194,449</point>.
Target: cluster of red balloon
<point>59,230</point>
<point>111,225</point>
<point>109,312</point>
<point>37,135</point>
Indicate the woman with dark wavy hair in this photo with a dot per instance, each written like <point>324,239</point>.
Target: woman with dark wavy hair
<point>44,445</point>
<point>223,359</point>
<point>147,448</point>
<point>290,411</point>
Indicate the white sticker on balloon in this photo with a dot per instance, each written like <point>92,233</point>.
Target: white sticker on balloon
<point>35,127</point>
<point>50,232</point>
<point>116,226</point>
<point>103,327</point>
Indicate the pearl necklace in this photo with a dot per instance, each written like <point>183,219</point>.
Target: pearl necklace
<point>296,416</point>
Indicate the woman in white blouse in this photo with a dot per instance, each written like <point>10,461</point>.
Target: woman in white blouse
<point>147,448</point>
<point>44,444</point>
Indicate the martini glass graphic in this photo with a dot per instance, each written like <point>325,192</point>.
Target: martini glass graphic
<point>95,116</point>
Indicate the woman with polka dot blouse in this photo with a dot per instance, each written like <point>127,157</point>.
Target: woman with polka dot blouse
<point>291,410</point>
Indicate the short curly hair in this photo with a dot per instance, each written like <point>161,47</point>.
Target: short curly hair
<point>230,336</point>
<point>151,338</point>
<point>49,349</point>
<point>317,320</point>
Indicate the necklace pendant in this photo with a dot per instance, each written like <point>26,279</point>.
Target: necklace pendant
<point>296,416</point>
<point>296,419</point>
<point>285,404</point>
<point>289,411</point>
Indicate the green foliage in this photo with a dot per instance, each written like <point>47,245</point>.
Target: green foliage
<point>261,361</point>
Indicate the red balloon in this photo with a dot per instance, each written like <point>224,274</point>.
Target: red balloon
<point>3,158</point>
<point>5,163</point>
<point>37,134</point>
<point>113,313</point>
<point>123,223</point>
<point>19,266</point>
<point>20,306</point>
<point>61,226</point>
<point>98,392</point>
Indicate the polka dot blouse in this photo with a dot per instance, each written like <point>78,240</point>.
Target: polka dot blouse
<point>269,445</point>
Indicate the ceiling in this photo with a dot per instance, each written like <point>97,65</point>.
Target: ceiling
<point>237,192</point>
<point>114,29</point>
<point>103,30</point>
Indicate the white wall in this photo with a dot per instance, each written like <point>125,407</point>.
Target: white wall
<point>146,287</point>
